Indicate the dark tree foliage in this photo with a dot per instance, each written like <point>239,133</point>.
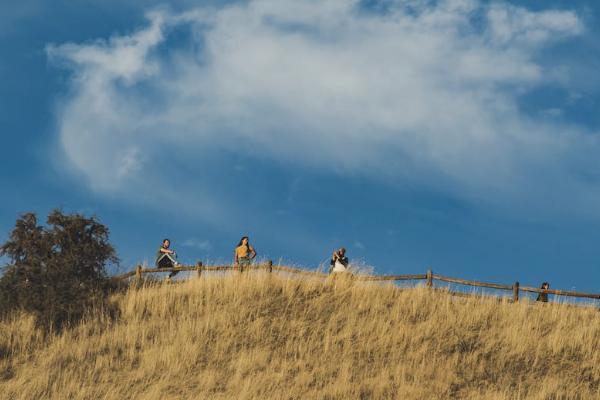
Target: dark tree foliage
<point>56,272</point>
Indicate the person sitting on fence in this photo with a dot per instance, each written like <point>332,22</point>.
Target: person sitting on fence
<point>166,258</point>
<point>244,253</point>
<point>543,297</point>
<point>339,261</point>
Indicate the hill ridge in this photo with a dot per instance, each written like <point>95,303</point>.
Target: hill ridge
<point>260,335</point>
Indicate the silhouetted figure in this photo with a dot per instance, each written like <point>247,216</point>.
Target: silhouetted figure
<point>543,297</point>
<point>339,261</point>
<point>166,258</point>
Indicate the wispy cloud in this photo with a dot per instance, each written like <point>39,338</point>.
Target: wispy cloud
<point>427,97</point>
<point>359,245</point>
<point>204,245</point>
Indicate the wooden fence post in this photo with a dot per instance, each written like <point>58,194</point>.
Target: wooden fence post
<point>138,273</point>
<point>429,278</point>
<point>199,268</point>
<point>270,266</point>
<point>516,292</point>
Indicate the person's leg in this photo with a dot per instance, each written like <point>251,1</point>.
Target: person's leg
<point>243,262</point>
<point>164,261</point>
<point>174,263</point>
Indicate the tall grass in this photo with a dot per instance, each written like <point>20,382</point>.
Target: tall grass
<point>261,336</point>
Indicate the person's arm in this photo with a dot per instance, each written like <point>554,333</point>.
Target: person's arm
<point>166,251</point>
<point>235,257</point>
<point>252,252</point>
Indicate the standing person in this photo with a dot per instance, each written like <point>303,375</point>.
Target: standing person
<point>339,261</point>
<point>166,258</point>
<point>543,297</point>
<point>244,253</point>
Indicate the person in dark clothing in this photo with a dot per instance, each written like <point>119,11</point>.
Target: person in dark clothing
<point>166,258</point>
<point>543,297</point>
<point>339,261</point>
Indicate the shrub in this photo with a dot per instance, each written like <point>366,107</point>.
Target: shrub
<point>57,272</point>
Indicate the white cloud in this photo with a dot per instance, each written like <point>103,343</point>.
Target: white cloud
<point>427,96</point>
<point>359,245</point>
<point>200,244</point>
<point>510,25</point>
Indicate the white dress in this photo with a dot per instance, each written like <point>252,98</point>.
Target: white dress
<point>339,267</point>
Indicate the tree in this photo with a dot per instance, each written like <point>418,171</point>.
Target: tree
<point>56,272</point>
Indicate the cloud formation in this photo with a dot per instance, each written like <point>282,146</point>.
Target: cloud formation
<point>196,243</point>
<point>424,93</point>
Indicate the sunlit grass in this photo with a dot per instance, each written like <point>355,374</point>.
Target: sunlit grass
<point>264,336</point>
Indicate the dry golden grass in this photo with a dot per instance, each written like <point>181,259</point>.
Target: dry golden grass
<point>268,337</point>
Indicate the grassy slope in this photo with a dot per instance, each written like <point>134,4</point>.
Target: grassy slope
<point>269,337</point>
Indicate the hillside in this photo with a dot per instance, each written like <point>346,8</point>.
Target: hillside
<point>261,336</point>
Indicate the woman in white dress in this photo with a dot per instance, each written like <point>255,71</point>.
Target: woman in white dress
<point>339,261</point>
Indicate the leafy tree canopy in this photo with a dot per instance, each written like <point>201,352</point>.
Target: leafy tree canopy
<point>57,272</point>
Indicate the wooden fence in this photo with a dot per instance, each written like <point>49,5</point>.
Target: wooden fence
<point>429,277</point>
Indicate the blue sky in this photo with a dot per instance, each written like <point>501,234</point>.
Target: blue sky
<point>457,135</point>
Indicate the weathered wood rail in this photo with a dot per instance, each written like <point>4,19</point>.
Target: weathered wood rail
<point>429,277</point>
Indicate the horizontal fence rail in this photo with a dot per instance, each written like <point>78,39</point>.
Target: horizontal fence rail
<point>429,277</point>
<point>561,292</point>
<point>472,283</point>
<point>391,277</point>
